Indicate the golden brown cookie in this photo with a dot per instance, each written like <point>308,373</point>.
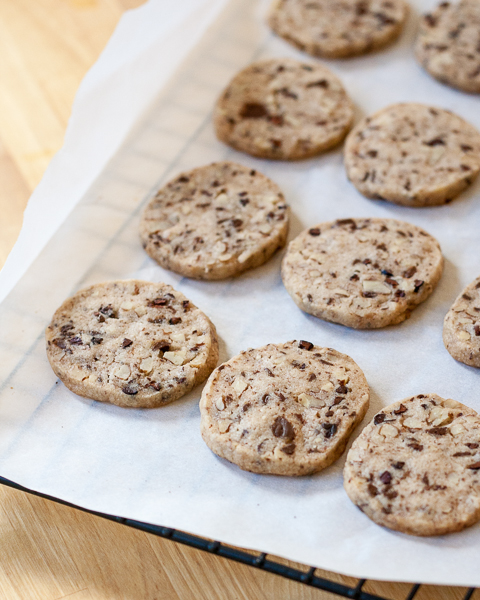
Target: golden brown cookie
<point>131,343</point>
<point>283,109</point>
<point>362,273</point>
<point>416,467</point>
<point>284,409</point>
<point>412,154</point>
<point>215,222</point>
<point>338,28</point>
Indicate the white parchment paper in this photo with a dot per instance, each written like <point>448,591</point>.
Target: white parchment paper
<point>152,465</point>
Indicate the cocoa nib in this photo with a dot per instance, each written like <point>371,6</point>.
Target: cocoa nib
<point>409,272</point>
<point>418,284</point>
<point>288,93</point>
<point>126,343</point>
<point>108,311</point>
<point>283,428</point>
<point>156,386</point>
<point>385,477</point>
<point>60,343</point>
<point>330,429</point>
<point>416,446</point>
<point>475,466</point>
<point>400,410</point>
<point>342,389</point>
<point>76,341</point>
<point>253,110</point>
<point>175,320</point>
<point>163,346</point>
<point>269,372</point>
<point>380,418</point>
<point>314,232</point>
<point>304,345</point>
<point>438,430</point>
<point>322,83</point>
<point>372,490</point>
<point>435,142</point>
<point>158,302</point>
<point>398,465</point>
<point>97,340</point>
<point>131,389</point>
<point>312,377</point>
<point>472,446</point>
<point>477,329</point>
<point>384,19</point>
<point>350,222</point>
<point>289,449</point>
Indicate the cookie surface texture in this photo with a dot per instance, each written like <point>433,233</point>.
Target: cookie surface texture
<point>284,409</point>
<point>338,28</point>
<point>461,328</point>
<point>283,109</point>
<point>412,154</point>
<point>362,273</point>
<point>131,343</point>
<point>448,44</point>
<point>416,467</point>
<point>215,222</point>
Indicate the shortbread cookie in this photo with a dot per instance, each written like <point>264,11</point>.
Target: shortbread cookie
<point>461,328</point>
<point>283,109</point>
<point>215,222</point>
<point>412,154</point>
<point>338,28</point>
<point>284,409</point>
<point>362,273</point>
<point>416,467</point>
<point>131,343</point>
<point>448,44</point>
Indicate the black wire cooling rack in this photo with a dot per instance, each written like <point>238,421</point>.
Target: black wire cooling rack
<point>258,561</point>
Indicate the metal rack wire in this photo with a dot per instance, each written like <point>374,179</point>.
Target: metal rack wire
<point>258,561</point>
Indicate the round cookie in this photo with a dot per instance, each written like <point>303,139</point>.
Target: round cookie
<point>284,409</point>
<point>416,467</point>
<point>461,328</point>
<point>448,44</point>
<point>131,343</point>
<point>338,28</point>
<point>215,222</point>
<point>412,154</point>
<point>283,109</point>
<point>362,273</point>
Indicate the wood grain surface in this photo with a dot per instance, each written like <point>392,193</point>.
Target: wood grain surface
<point>49,551</point>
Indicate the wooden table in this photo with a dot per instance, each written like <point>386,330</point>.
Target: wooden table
<point>49,551</point>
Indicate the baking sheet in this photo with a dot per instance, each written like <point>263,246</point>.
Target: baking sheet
<point>152,465</point>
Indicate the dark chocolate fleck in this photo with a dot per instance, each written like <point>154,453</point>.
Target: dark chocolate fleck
<point>289,449</point>
<point>283,428</point>
<point>253,110</point>
<point>130,389</point>
<point>304,345</point>
<point>330,429</point>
